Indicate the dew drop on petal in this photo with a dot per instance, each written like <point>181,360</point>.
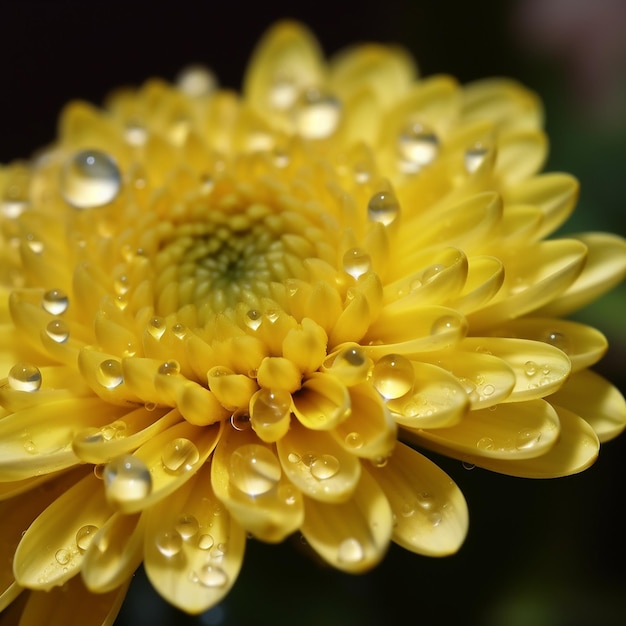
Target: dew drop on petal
<point>187,526</point>
<point>63,556</point>
<point>84,536</point>
<point>283,93</point>
<point>179,330</point>
<point>325,466</point>
<point>393,376</point>
<point>211,576</point>
<point>169,543</point>
<point>418,146</point>
<point>530,368</point>
<point>354,440</point>
<point>383,207</point>
<point>356,262</point>
<point>196,81</point>
<point>253,319</point>
<point>58,331</point>
<point>90,179</point>
<point>156,327</point>
<point>317,115</point>
<point>254,469</point>
<point>179,455</point>
<point>485,443</point>
<point>445,324</point>
<point>527,439</point>
<point>169,368</point>
<point>475,156</point>
<point>127,479</point>
<point>270,406</point>
<point>559,340</point>
<point>24,377</point>
<point>205,541</point>
<point>240,420</point>
<point>350,551</point>
<point>55,301</point>
<point>109,373</point>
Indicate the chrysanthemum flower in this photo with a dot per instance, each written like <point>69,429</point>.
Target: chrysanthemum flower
<point>236,315</point>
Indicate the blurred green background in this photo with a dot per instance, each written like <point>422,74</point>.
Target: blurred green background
<point>539,553</point>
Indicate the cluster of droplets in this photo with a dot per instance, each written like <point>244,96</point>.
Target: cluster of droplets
<point>321,466</point>
<point>425,504</point>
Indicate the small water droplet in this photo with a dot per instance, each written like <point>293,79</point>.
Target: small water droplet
<point>211,576</point>
<point>559,340</point>
<point>179,456</point>
<point>135,133</point>
<point>468,466</point>
<point>179,330</point>
<point>383,207</point>
<point>169,368</point>
<point>317,115</point>
<point>325,466</point>
<point>253,319</point>
<point>84,536</point>
<point>254,469</point>
<point>30,447</point>
<point>283,93</point>
<point>485,443</point>
<point>350,551</point>
<point>445,324</point>
<point>205,541</point>
<point>196,81</point>
<point>530,368</point>
<point>55,301</point>
<point>156,327</point>
<point>354,441</point>
<point>475,156</point>
<point>63,556</point>
<point>115,430</point>
<point>393,376</point>
<point>356,262</point>
<point>169,543</point>
<point>488,390</point>
<point>294,458</point>
<point>527,439</point>
<point>24,377</point>
<point>58,331</point>
<point>109,373</point>
<point>34,245</point>
<point>418,146</point>
<point>187,526</point>
<point>240,420</point>
<point>90,179</point>
<point>127,479</point>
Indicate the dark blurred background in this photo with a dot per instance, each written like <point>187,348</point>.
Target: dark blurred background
<point>539,553</point>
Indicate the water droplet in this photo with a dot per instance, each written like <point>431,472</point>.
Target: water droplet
<point>84,536</point>
<point>418,146</point>
<point>253,319</point>
<point>269,407</point>
<point>187,526</point>
<point>127,479</point>
<point>488,390</point>
<point>485,443</point>
<point>393,376</point>
<point>55,301</point>
<point>24,377</point>
<point>169,368</point>
<point>468,466</point>
<point>115,430</point>
<point>121,284</point>
<point>288,494</point>
<point>325,466</point>
<point>63,556</point>
<point>169,543</point>
<point>431,272</point>
<point>351,365</point>
<point>383,207</point>
<point>445,324</point>
<point>196,81</point>
<point>156,327</point>
<point>294,458</point>
<point>354,441</point>
<point>30,447</point>
<point>407,510</point>
<point>211,576</point>
<point>475,156</point>
<point>530,368</point>
<point>356,262</point>
<point>179,456</point>
<point>317,115</point>
<point>205,541</point>
<point>559,340</point>
<point>527,439</point>
<point>58,331</point>
<point>179,330</point>
<point>135,133</point>
<point>254,469</point>
<point>109,374</point>
<point>380,461</point>
<point>90,179</point>
<point>240,420</point>
<point>350,551</point>
<point>283,93</point>
<point>34,245</point>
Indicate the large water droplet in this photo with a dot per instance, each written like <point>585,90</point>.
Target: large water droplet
<point>187,526</point>
<point>254,469</point>
<point>393,376</point>
<point>269,407</point>
<point>383,207</point>
<point>350,551</point>
<point>169,543</point>
<point>109,373</point>
<point>84,536</point>
<point>90,179</point>
<point>418,146</point>
<point>127,479</point>
<point>325,466</point>
<point>211,576</point>
<point>356,262</point>
<point>24,377</point>
<point>55,301</point>
<point>179,455</point>
<point>317,115</point>
<point>58,331</point>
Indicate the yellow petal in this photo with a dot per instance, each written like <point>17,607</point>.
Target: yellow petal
<point>322,402</point>
<point>430,512</point>
<point>595,400</point>
<point>247,477</point>
<point>484,278</point>
<point>520,430</point>
<point>317,465</point>
<point>193,547</point>
<point>48,554</point>
<point>352,536</point>
<point>306,346</point>
<point>521,153</point>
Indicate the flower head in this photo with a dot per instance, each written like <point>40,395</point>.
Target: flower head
<point>228,315</point>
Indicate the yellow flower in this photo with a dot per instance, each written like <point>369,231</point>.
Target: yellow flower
<point>228,315</point>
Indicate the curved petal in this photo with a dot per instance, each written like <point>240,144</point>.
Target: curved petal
<point>521,153</point>
<point>430,512</point>
<point>193,548</point>
<point>322,403</point>
<point>352,536</point>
